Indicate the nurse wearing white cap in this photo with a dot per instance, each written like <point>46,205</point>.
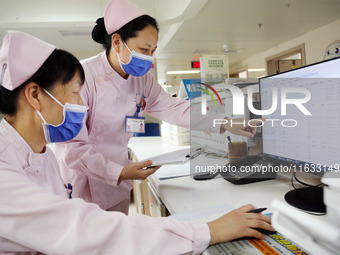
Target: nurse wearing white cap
<point>39,94</point>
<point>117,87</point>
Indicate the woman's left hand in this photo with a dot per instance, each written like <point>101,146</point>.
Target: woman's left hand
<point>137,171</point>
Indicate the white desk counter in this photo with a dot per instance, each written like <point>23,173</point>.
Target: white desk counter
<point>186,194</point>
<point>183,194</point>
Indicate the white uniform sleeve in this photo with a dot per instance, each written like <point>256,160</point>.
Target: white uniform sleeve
<point>80,155</point>
<point>9,247</point>
<point>37,219</point>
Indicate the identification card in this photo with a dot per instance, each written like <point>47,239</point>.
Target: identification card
<point>134,124</point>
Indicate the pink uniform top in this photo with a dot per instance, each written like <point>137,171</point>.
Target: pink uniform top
<point>93,161</point>
<point>36,214</point>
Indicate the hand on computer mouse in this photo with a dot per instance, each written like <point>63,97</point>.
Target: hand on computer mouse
<point>239,223</point>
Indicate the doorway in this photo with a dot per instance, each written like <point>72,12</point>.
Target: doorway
<point>242,72</point>
<point>287,60</point>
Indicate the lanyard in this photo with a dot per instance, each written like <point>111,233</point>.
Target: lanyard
<point>138,110</point>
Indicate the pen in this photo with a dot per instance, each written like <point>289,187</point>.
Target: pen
<point>196,153</point>
<point>258,210</point>
<point>229,139</point>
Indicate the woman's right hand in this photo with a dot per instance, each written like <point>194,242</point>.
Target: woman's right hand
<point>137,171</point>
<point>239,223</point>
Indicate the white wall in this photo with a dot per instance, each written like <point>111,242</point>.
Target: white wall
<point>315,42</point>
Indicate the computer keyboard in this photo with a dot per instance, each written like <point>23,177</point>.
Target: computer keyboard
<point>245,161</point>
<point>246,170</point>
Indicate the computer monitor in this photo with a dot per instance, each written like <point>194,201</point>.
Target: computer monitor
<point>306,143</point>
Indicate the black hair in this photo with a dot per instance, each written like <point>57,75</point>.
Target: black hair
<point>129,30</point>
<point>61,66</point>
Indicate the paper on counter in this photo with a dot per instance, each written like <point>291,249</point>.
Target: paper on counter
<point>173,171</point>
<point>205,214</point>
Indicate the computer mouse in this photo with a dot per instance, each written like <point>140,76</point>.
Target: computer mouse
<point>263,231</point>
<point>206,176</point>
<point>266,232</point>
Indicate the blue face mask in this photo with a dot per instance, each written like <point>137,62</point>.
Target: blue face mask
<point>138,65</point>
<point>69,128</point>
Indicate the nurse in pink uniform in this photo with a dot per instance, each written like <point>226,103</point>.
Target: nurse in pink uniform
<point>117,85</point>
<point>39,95</point>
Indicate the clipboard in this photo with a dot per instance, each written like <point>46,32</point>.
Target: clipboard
<point>176,157</point>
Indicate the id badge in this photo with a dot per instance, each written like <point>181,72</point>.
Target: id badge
<point>134,124</point>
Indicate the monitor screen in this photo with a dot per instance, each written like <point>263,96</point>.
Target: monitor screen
<point>304,135</point>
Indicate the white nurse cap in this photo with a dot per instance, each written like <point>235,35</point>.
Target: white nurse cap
<point>21,55</point>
